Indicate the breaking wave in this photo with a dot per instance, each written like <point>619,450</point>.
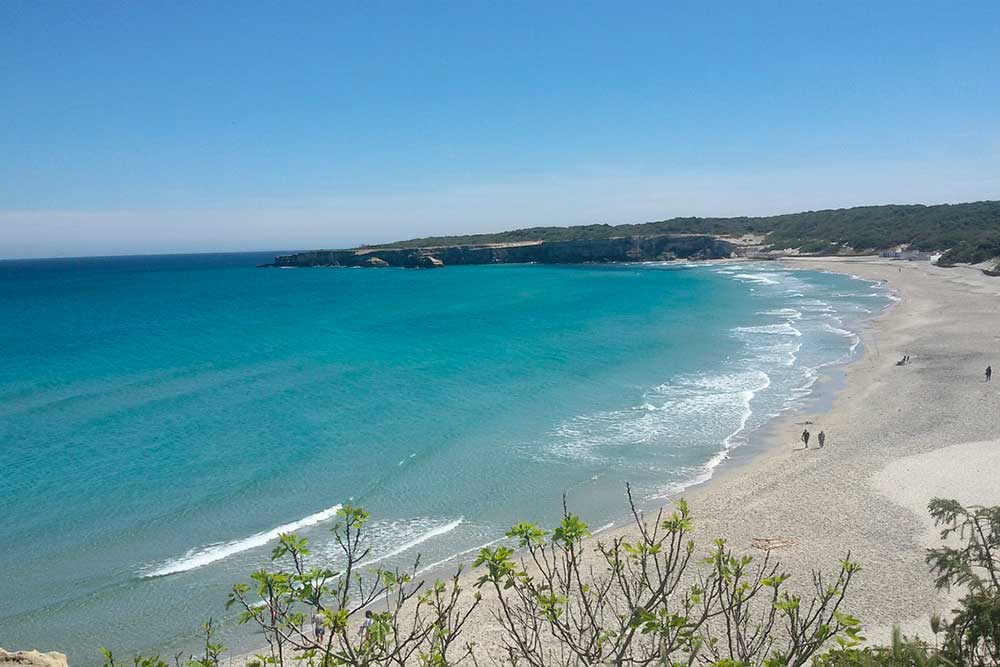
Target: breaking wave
<point>215,552</point>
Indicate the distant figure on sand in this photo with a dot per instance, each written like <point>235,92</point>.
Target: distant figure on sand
<point>989,373</point>
<point>366,626</point>
<point>805,437</point>
<point>318,629</point>
<point>822,439</point>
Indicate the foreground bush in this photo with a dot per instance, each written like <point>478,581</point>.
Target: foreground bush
<point>972,637</point>
<point>648,601</point>
<point>564,600</point>
<point>645,604</point>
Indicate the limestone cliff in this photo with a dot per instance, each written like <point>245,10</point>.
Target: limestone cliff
<point>620,249</point>
<point>31,659</point>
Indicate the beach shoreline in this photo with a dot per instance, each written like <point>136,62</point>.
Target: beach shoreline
<point>896,435</point>
<point>881,421</point>
<point>866,492</point>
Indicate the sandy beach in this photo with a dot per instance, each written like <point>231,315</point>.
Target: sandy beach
<point>896,437</point>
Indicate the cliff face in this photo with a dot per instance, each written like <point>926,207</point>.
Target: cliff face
<point>621,249</point>
<point>31,659</point>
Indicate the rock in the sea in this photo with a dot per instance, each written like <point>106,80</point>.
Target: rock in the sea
<point>32,659</point>
<point>429,262</point>
<point>375,261</point>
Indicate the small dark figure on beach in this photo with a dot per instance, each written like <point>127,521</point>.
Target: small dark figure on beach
<point>318,629</point>
<point>805,437</point>
<point>906,358</point>
<point>989,373</point>
<point>366,626</point>
<point>822,439</point>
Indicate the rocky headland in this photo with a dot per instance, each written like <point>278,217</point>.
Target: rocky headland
<point>619,249</point>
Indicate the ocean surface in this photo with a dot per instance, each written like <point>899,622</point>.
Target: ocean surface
<point>163,419</point>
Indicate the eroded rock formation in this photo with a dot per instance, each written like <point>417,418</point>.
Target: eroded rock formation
<point>621,249</point>
<point>32,659</point>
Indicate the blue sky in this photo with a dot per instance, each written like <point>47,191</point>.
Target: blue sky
<point>176,127</point>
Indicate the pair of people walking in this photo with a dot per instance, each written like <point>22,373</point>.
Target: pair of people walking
<point>821,438</point>
<point>319,629</point>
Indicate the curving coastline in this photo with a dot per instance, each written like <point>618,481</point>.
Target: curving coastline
<point>823,503</point>
<point>896,434</point>
<point>896,437</point>
<point>881,423</point>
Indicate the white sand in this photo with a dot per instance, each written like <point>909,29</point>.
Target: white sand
<point>966,472</point>
<point>893,443</point>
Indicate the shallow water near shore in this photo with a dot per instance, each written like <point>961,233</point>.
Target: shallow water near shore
<point>163,419</point>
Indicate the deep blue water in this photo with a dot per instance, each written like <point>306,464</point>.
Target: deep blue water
<point>162,418</point>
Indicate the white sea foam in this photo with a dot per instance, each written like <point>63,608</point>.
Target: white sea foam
<point>452,557</point>
<point>688,408</point>
<point>437,531</point>
<point>607,526</point>
<point>782,329</point>
<point>761,278</point>
<point>784,353</point>
<point>215,552</point>
<point>816,306</point>
<point>747,399</point>
<point>787,313</point>
<point>840,332</point>
<point>730,441</point>
<point>868,295</point>
<point>693,412</point>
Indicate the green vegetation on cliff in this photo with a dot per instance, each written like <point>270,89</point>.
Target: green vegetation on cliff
<point>968,232</point>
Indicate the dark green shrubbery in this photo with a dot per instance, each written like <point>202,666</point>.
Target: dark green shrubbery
<point>981,249</point>
<point>819,248</point>
<point>972,637</point>
<point>969,232</point>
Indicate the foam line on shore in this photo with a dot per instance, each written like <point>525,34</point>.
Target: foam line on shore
<point>452,557</point>
<point>197,558</point>
<point>420,539</point>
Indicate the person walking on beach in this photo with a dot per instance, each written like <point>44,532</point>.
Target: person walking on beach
<point>318,629</point>
<point>366,627</point>
<point>989,373</point>
<point>805,437</point>
<point>822,439</point>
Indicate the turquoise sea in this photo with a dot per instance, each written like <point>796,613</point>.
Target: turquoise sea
<point>162,419</point>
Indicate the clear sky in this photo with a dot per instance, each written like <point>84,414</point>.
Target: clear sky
<point>136,127</point>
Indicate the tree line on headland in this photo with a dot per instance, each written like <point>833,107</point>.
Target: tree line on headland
<point>963,232</point>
